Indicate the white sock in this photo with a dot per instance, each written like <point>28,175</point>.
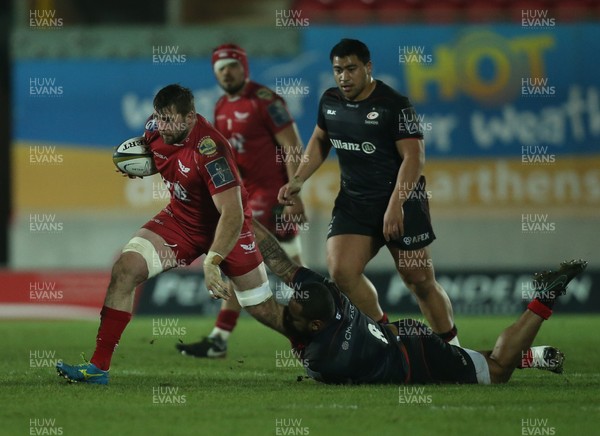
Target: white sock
<point>216,331</point>
<point>538,357</point>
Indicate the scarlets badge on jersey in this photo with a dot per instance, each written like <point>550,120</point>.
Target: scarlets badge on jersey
<point>207,146</point>
<point>220,172</point>
<point>278,113</point>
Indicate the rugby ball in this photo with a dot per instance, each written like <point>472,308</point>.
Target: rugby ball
<point>133,157</point>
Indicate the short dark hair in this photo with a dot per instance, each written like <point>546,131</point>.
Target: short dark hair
<point>316,301</point>
<point>349,47</point>
<point>176,95</point>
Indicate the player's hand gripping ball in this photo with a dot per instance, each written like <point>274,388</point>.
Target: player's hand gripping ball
<point>134,158</point>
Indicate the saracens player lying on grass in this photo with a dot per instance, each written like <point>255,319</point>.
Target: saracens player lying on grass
<point>339,344</point>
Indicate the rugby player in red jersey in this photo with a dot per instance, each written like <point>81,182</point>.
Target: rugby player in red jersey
<point>267,150</point>
<point>207,214</point>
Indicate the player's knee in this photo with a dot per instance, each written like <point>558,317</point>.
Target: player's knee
<point>129,270</point>
<point>342,275</point>
<point>417,280</point>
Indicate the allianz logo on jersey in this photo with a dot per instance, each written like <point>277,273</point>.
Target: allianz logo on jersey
<point>365,147</point>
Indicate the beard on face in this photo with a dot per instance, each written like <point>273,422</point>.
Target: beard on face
<point>177,137</point>
<point>233,88</point>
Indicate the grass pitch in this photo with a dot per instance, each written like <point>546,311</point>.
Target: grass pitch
<point>255,390</point>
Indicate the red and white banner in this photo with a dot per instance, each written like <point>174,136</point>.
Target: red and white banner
<point>52,294</point>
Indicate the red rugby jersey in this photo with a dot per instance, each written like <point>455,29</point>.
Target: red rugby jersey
<point>250,123</point>
<point>193,171</point>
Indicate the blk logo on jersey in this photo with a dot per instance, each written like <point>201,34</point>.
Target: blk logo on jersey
<point>330,112</point>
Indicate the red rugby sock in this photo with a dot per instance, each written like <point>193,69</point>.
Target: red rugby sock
<point>227,319</point>
<point>540,309</point>
<point>112,324</point>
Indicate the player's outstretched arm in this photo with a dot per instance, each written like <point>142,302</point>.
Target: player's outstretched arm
<point>291,143</point>
<point>315,154</point>
<point>229,205</point>
<point>274,256</point>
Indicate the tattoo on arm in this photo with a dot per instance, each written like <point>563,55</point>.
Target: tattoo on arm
<point>275,257</point>
<point>277,260</point>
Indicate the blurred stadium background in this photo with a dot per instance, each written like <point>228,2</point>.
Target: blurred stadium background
<point>508,91</point>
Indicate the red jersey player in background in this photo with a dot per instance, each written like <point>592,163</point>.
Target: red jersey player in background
<point>207,214</point>
<point>267,150</point>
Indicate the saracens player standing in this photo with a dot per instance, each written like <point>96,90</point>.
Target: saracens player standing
<point>382,199</point>
<point>267,150</point>
<point>207,214</point>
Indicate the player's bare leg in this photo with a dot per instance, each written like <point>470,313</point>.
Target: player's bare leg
<point>514,341</point>
<point>144,256</point>
<point>347,257</point>
<point>510,345</point>
<point>416,269</point>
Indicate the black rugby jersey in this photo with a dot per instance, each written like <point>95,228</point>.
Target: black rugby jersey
<point>353,348</point>
<point>363,134</point>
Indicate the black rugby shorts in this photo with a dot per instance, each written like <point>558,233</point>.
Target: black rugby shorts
<point>431,359</point>
<point>353,217</point>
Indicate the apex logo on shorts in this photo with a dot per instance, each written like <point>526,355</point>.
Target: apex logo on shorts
<point>410,240</point>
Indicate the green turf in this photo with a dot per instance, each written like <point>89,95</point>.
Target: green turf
<point>249,394</point>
